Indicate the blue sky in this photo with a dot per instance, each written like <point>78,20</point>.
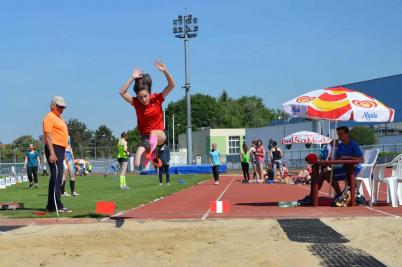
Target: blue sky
<point>85,50</point>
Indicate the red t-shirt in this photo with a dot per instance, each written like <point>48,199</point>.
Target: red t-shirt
<point>149,117</point>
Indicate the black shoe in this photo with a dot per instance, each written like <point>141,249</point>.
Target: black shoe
<point>360,199</point>
<point>30,186</point>
<point>307,200</point>
<point>244,182</point>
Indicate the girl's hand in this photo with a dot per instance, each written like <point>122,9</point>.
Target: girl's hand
<point>137,73</point>
<point>160,66</point>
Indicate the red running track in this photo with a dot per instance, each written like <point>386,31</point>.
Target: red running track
<point>250,201</point>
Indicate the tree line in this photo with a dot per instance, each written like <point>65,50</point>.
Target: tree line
<point>85,143</point>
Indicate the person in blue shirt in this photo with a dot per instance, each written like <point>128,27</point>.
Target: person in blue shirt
<point>347,149</point>
<point>32,163</point>
<point>215,160</point>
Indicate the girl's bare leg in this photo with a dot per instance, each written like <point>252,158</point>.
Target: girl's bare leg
<point>139,157</point>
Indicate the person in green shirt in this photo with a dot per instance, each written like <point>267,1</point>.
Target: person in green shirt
<point>122,158</point>
<point>245,163</point>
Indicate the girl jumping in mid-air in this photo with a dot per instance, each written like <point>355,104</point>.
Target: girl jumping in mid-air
<point>148,108</point>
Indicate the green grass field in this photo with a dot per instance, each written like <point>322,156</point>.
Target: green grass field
<point>143,189</point>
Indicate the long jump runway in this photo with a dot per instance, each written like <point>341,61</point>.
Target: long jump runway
<point>250,201</point>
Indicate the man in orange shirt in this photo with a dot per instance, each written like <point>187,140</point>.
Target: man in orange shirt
<point>55,136</point>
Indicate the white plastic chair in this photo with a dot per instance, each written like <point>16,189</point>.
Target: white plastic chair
<point>366,172</point>
<point>391,181</point>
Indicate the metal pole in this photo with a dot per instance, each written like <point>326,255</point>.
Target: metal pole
<point>188,100</point>
<point>14,156</point>
<point>164,119</point>
<point>284,126</point>
<point>174,144</point>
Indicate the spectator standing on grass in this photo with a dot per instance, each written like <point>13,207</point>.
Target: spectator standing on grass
<point>32,163</point>
<point>215,160</point>
<point>245,163</point>
<point>69,169</point>
<point>55,135</point>
<point>260,157</point>
<point>122,158</point>
<point>164,156</point>
<point>44,171</point>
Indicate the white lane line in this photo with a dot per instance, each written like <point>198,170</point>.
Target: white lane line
<point>383,212</point>
<point>370,208</point>
<point>219,198</point>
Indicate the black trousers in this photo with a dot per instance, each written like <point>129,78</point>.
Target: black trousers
<point>215,171</point>
<point>56,178</point>
<point>164,169</point>
<point>32,172</point>
<point>245,167</point>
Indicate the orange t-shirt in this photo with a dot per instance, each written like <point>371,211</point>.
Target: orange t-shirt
<point>57,127</point>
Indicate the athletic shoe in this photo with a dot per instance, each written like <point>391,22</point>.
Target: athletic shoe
<point>343,200</point>
<point>160,184</point>
<point>216,183</point>
<point>124,187</point>
<point>168,183</point>
<point>74,194</point>
<point>148,156</point>
<point>157,163</point>
<point>307,200</point>
<point>65,194</point>
<point>65,210</point>
<point>36,185</point>
<point>30,186</point>
<point>360,199</point>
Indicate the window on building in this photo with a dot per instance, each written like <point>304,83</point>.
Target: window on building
<point>244,139</point>
<point>234,145</point>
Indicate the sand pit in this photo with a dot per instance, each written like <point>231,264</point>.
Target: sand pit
<point>238,242</point>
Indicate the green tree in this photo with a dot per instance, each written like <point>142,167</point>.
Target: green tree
<point>363,135</point>
<point>6,153</point>
<point>221,112</point>
<point>21,145</point>
<point>133,139</point>
<point>81,138</point>
<point>104,141</point>
<point>204,112</point>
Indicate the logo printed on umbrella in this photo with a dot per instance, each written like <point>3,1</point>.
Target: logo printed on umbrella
<point>365,104</point>
<point>305,99</point>
<point>369,115</point>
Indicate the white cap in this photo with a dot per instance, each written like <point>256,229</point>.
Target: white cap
<point>58,100</point>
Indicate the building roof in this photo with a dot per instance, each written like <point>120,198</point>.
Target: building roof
<point>388,90</point>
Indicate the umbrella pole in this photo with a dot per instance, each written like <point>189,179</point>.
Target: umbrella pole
<point>332,157</point>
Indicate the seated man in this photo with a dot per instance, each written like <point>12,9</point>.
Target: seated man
<point>348,149</point>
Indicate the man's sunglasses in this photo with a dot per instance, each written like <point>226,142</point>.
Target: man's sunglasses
<point>60,107</point>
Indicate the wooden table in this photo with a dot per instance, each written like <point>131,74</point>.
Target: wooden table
<point>350,167</point>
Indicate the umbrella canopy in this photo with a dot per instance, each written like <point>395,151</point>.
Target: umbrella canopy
<point>339,104</point>
<point>305,137</point>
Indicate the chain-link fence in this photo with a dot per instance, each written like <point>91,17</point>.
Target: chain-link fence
<point>102,157</point>
<point>294,159</point>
